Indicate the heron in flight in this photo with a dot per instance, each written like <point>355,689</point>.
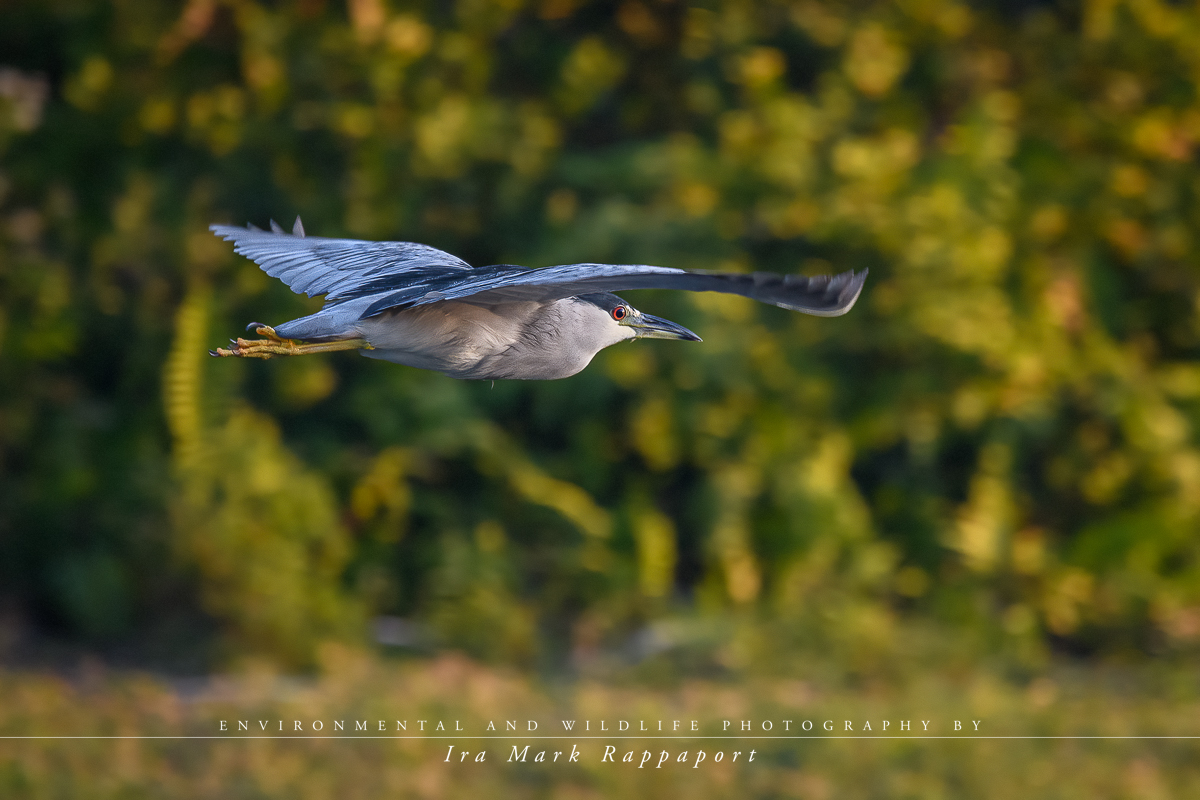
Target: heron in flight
<point>415,305</point>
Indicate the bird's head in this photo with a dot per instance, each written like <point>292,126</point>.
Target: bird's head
<point>628,323</point>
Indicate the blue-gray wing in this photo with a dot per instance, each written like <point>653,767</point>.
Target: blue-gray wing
<point>337,268</point>
<point>823,295</point>
<point>402,275</point>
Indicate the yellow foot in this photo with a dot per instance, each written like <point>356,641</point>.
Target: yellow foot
<point>267,331</point>
<point>273,345</point>
<point>257,348</point>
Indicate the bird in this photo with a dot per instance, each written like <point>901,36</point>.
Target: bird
<point>415,305</point>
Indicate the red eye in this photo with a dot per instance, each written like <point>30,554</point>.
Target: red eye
<point>619,313</point>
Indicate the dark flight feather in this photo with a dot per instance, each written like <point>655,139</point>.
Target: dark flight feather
<point>404,275</point>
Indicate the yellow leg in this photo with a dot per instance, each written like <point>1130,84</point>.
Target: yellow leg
<point>273,346</point>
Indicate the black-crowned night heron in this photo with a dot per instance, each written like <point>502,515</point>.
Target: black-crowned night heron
<point>415,305</point>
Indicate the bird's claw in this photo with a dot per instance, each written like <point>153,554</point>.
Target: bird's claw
<point>275,345</point>
<point>258,348</point>
<point>265,330</point>
<point>270,346</point>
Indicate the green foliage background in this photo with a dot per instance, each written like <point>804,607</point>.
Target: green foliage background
<point>997,445</point>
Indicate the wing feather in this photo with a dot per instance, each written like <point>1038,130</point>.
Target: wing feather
<point>822,295</point>
<point>402,275</point>
<point>315,265</point>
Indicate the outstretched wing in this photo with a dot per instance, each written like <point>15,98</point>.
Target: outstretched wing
<point>335,267</point>
<point>823,295</point>
<point>404,274</point>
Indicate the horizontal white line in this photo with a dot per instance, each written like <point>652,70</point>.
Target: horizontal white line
<point>610,738</point>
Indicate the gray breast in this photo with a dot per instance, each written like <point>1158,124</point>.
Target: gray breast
<point>520,341</point>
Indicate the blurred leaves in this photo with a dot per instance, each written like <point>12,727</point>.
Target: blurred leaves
<point>261,529</point>
<point>1001,436</point>
<point>133,727</point>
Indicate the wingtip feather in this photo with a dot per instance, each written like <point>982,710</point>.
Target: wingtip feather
<point>849,294</point>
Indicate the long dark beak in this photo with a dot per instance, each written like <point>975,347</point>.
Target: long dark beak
<point>651,327</point>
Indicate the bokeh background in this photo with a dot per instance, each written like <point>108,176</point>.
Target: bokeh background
<point>976,495</point>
